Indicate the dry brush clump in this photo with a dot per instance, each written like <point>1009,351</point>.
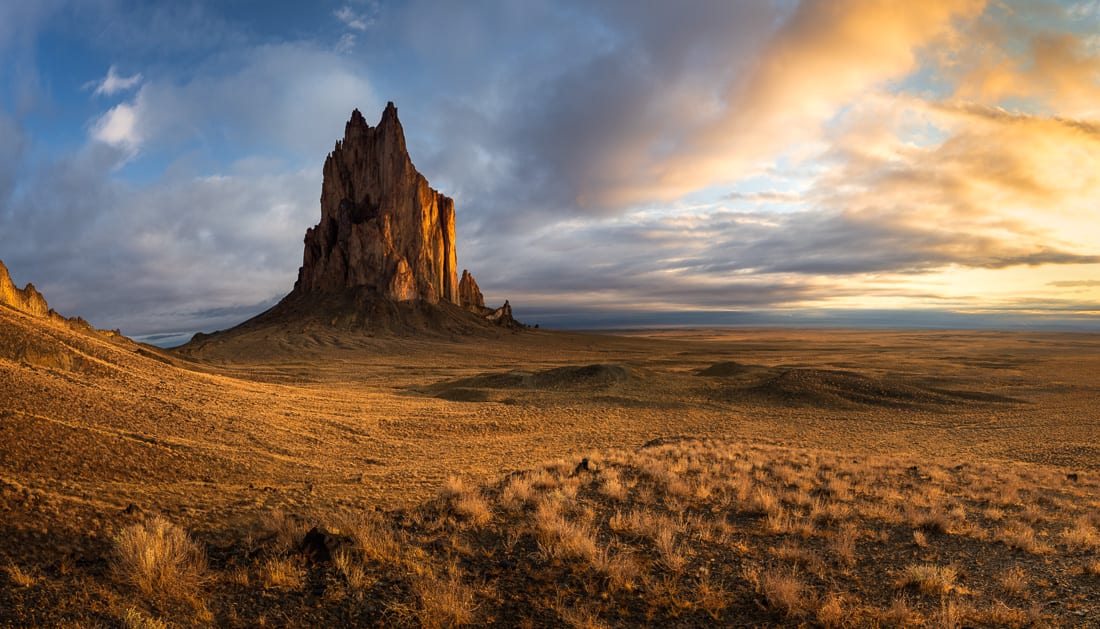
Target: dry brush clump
<point>698,532</point>
<point>159,559</point>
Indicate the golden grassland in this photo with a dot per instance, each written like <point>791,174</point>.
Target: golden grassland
<point>745,478</point>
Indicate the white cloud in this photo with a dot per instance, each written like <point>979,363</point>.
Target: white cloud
<point>346,43</point>
<point>113,83</point>
<point>353,20</point>
<point>118,127</point>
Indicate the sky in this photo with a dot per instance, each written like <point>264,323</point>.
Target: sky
<point>619,163</point>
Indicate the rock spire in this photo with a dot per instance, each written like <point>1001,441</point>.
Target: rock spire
<point>382,226</point>
<point>469,294</point>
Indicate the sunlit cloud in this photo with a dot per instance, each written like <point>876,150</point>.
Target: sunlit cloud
<point>118,127</point>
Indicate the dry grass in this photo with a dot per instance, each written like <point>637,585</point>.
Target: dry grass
<point>628,543</point>
<point>929,579</point>
<point>1014,581</point>
<point>784,591</point>
<point>20,577</point>
<point>159,559</point>
<point>1083,535</point>
<point>1022,537</point>
<point>135,619</point>
<point>444,602</point>
<point>281,573</point>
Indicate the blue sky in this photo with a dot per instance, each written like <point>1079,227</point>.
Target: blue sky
<point>612,163</point>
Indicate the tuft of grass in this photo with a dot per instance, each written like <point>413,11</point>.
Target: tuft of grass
<point>281,573</point>
<point>159,559</point>
<point>444,601</point>
<point>134,619</point>
<point>843,544</point>
<point>901,614</point>
<point>1014,581</point>
<point>1022,537</point>
<point>1082,535</point>
<point>711,597</point>
<point>928,578</point>
<point>831,613</point>
<point>20,577</point>
<point>353,571</point>
<point>785,592</point>
<point>472,507</point>
<point>286,532</point>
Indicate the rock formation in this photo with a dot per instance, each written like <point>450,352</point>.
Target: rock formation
<point>382,226</point>
<point>27,299</point>
<point>469,294</point>
<point>384,231</point>
<point>31,302</point>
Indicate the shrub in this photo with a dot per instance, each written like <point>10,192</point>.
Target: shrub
<point>159,559</point>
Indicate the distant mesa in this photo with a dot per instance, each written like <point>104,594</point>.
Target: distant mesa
<point>383,255</point>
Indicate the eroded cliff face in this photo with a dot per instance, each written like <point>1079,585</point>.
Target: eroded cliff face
<point>382,226</point>
<point>26,299</point>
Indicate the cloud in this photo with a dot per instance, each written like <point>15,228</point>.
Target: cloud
<point>1075,283</point>
<point>352,19</point>
<point>113,83</point>
<point>213,235</point>
<point>824,55</point>
<point>264,98</point>
<point>155,258</point>
<point>346,43</point>
<point>118,128</point>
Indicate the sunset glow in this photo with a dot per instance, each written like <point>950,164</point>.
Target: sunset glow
<point>813,159</point>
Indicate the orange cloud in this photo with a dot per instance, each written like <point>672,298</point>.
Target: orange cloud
<point>825,55</point>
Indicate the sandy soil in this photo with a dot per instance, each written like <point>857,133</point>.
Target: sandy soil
<point>93,430</point>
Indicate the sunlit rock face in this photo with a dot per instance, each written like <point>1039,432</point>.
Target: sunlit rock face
<point>382,226</point>
<point>27,299</point>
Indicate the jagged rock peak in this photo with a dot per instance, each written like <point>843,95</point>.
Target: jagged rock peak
<point>27,299</point>
<point>469,294</point>
<point>382,226</point>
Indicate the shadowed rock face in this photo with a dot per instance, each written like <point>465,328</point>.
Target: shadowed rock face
<point>382,226</point>
<point>27,299</point>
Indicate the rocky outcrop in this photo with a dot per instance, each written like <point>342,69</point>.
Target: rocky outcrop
<point>382,226</point>
<point>469,294</point>
<point>27,299</point>
<point>502,315</point>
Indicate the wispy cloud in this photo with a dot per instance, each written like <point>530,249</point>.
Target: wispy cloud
<point>353,19</point>
<point>113,83</point>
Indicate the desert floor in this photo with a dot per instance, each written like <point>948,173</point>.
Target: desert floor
<point>94,431</point>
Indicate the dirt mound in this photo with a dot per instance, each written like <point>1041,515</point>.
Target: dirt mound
<point>573,377</point>
<point>588,375</point>
<point>824,388</point>
<point>730,369</point>
<point>833,389</point>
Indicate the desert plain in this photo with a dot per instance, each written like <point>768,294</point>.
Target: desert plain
<point>733,477</point>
